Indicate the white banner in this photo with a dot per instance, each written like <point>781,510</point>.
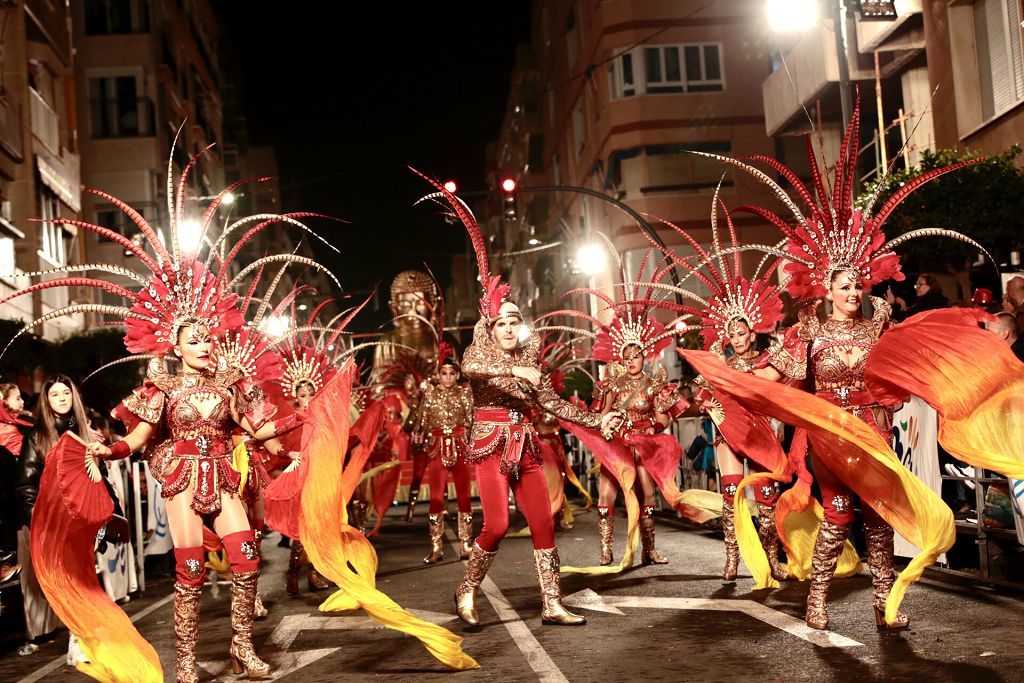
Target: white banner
<point>1017,491</point>
<point>915,440</point>
<point>156,524</point>
<point>116,565</point>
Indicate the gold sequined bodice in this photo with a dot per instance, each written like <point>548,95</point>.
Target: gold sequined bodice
<point>740,363</point>
<point>197,407</point>
<point>489,370</point>
<point>635,396</point>
<point>839,349</point>
<point>442,408</point>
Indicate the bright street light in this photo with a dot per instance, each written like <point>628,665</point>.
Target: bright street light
<point>533,241</point>
<point>791,16</point>
<point>302,307</point>
<point>275,325</point>
<point>228,199</point>
<point>189,234</point>
<point>591,259</point>
<point>450,187</point>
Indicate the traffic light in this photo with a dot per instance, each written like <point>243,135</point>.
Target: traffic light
<point>508,199</point>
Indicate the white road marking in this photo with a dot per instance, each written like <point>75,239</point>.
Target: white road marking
<point>38,674</point>
<point>588,599</point>
<point>287,630</point>
<point>536,656</point>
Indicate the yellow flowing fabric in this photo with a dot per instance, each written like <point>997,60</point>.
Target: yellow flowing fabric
<point>854,452</point>
<point>72,505</point>
<point>333,546</point>
<point>618,459</point>
<point>968,374</point>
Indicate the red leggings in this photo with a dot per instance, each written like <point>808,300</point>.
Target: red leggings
<point>838,500</point>
<point>531,492</point>
<point>420,463</point>
<point>439,482</point>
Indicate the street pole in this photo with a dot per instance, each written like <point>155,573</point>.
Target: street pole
<point>840,15</point>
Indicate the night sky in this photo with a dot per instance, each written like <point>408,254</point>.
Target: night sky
<point>348,104</point>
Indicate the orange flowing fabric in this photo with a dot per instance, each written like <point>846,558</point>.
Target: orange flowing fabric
<point>660,455</point>
<point>385,483</point>
<point>337,550</point>
<point>967,374</point>
<point>73,504</point>
<point>617,457</point>
<point>855,453</point>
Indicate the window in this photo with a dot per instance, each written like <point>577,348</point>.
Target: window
<point>998,47</point>
<point>113,218</point>
<point>663,69</point>
<point>672,168</point>
<point>110,17</point>
<point>6,256</point>
<point>116,110</point>
<point>53,236</point>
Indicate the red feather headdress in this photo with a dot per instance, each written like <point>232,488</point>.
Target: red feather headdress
<point>834,235</point>
<point>495,292</point>
<point>180,289</point>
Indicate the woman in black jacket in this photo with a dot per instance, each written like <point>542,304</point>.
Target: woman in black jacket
<point>58,409</point>
<point>929,297</point>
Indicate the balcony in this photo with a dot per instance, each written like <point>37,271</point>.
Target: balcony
<point>45,122</point>
<point>812,67</point>
<point>904,32</point>
<point>122,118</point>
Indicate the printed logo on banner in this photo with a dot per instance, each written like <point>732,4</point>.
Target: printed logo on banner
<point>161,522</point>
<point>905,437</point>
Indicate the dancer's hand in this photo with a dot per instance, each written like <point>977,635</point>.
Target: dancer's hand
<point>97,450</point>
<point>531,375</point>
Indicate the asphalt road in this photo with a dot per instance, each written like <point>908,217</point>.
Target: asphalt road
<point>673,622</point>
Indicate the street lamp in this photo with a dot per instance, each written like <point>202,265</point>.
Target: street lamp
<point>275,325</point>
<point>591,259</point>
<point>785,16</point>
<point>189,234</point>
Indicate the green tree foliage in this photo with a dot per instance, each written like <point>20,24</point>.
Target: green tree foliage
<point>578,382</point>
<point>981,201</point>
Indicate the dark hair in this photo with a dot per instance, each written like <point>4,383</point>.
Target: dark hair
<point>46,432</point>
<point>449,361</point>
<point>933,282</point>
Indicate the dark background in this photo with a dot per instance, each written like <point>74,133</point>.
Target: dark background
<point>348,101</point>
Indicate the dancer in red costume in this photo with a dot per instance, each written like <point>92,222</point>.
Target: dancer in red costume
<point>838,252</point>
<point>507,383</point>
<point>185,418</point>
<point>643,454</point>
<point>444,420</point>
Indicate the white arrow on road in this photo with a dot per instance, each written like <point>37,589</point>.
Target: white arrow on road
<point>588,599</point>
<point>287,630</point>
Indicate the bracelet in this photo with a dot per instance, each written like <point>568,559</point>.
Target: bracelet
<point>119,450</point>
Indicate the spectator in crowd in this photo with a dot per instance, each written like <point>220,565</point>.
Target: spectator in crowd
<point>58,409</point>
<point>1006,327</point>
<point>1013,299</point>
<point>929,297</point>
<point>11,433</point>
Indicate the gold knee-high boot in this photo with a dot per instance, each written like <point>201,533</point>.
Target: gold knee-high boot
<point>435,526</point>
<point>553,612</point>
<point>732,548</point>
<point>186,631</point>
<point>883,576</point>
<point>650,553</point>
<point>606,533</point>
<point>465,534</point>
<point>769,535</point>
<point>828,546</point>
<point>476,569</point>
<point>243,596</point>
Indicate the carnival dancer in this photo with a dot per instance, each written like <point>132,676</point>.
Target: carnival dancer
<point>506,380</point>
<point>837,252</point>
<point>443,423</point>
<point>183,416</point>
<point>643,455</point>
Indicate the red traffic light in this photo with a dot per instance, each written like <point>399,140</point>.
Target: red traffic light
<point>450,187</point>
<point>508,185</point>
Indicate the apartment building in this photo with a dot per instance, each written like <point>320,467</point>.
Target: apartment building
<point>614,97</point>
<point>39,157</point>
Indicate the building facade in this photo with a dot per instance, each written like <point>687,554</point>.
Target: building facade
<point>39,158</point>
<point>615,97</point>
